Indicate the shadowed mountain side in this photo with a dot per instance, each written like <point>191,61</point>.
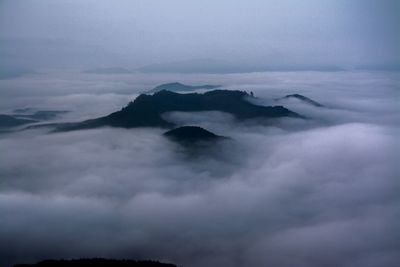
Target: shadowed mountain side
<point>7,121</point>
<point>193,143</point>
<point>96,263</point>
<point>179,87</point>
<point>302,98</point>
<point>147,110</point>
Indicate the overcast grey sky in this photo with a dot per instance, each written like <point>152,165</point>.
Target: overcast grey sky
<point>255,32</point>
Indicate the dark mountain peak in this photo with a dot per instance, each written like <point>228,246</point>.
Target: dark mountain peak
<point>141,98</point>
<point>225,92</point>
<point>176,84</point>
<point>191,134</point>
<point>165,92</point>
<point>194,138</point>
<point>146,110</point>
<point>302,98</point>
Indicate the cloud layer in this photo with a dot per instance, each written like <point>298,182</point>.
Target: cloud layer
<point>320,192</point>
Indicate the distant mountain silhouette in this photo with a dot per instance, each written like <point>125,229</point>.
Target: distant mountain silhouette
<point>147,110</point>
<point>96,263</point>
<point>7,121</point>
<point>38,115</point>
<point>12,73</point>
<point>209,65</point>
<point>191,66</point>
<point>179,87</point>
<point>116,70</point>
<point>191,134</point>
<point>302,98</point>
<point>23,110</point>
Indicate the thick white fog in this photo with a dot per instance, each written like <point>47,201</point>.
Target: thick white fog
<point>317,192</point>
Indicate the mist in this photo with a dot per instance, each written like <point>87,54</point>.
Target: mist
<point>319,189</point>
<point>312,192</point>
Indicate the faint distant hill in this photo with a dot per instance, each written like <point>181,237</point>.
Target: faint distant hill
<point>7,121</point>
<point>301,98</point>
<point>378,67</point>
<point>179,87</point>
<point>222,66</point>
<point>147,110</point>
<point>97,263</point>
<point>28,113</point>
<point>192,66</point>
<point>115,70</point>
<point>12,73</point>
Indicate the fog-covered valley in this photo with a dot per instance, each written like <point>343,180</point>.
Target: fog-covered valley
<point>321,191</point>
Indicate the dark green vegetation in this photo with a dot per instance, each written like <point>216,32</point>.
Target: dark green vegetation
<point>7,121</point>
<point>191,134</point>
<point>147,110</point>
<point>179,87</point>
<point>302,98</point>
<point>96,263</point>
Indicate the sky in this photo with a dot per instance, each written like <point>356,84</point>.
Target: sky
<point>93,33</point>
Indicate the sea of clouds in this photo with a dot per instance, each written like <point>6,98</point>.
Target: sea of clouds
<point>316,192</point>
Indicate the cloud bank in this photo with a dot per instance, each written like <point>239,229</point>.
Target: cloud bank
<point>322,192</point>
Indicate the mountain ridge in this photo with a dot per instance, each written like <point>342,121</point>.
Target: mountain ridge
<point>146,110</point>
<point>8,121</point>
<point>302,98</point>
